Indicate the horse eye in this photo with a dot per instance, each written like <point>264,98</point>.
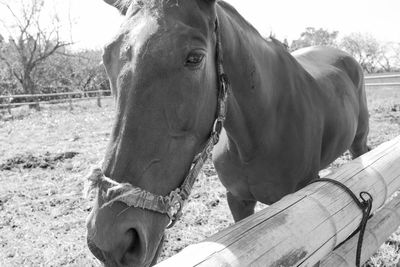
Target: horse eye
<point>194,59</point>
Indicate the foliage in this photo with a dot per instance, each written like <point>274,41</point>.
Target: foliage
<point>63,71</point>
<point>313,37</point>
<point>372,55</point>
<point>77,70</point>
<point>364,48</point>
<point>389,57</point>
<point>8,84</point>
<point>35,59</point>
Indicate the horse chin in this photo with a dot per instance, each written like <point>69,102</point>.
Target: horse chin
<point>159,249</point>
<point>95,250</point>
<point>109,263</point>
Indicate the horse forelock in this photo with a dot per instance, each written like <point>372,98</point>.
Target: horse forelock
<point>123,5</point>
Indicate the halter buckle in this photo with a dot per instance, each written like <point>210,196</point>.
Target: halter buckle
<point>175,207</point>
<point>218,124</point>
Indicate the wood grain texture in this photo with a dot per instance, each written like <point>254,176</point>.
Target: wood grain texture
<point>379,228</point>
<point>304,227</point>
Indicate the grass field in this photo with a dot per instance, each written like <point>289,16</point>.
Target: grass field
<point>42,210</point>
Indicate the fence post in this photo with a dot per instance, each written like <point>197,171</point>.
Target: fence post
<point>99,99</point>
<point>71,108</point>
<point>37,103</point>
<point>9,105</point>
<point>34,102</point>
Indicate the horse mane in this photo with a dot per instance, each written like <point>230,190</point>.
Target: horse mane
<point>245,24</point>
<point>271,38</point>
<point>232,11</point>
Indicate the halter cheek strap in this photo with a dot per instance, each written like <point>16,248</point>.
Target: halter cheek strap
<point>172,204</point>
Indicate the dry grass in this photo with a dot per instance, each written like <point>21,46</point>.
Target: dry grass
<point>42,211</point>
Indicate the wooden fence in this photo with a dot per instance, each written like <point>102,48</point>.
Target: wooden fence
<point>37,99</point>
<point>40,99</point>
<point>383,76</point>
<point>382,80</point>
<point>305,227</point>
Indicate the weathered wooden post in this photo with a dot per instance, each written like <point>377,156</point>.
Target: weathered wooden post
<point>37,105</point>
<point>9,105</point>
<point>303,227</point>
<point>71,108</point>
<point>99,99</point>
<point>379,228</point>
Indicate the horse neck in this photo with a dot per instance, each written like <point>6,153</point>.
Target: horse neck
<point>254,66</point>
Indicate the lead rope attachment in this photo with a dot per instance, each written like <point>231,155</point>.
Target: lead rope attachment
<point>365,206</point>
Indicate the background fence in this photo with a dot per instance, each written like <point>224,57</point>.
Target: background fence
<point>383,79</point>
<point>10,101</point>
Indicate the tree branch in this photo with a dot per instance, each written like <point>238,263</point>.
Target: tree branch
<point>33,50</point>
<point>50,52</point>
<point>12,13</point>
<point>29,43</point>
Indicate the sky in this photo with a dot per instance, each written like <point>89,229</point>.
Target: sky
<point>94,22</point>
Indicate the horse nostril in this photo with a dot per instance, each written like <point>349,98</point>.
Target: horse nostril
<point>135,239</point>
<point>133,250</point>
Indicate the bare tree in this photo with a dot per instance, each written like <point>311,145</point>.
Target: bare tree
<point>30,42</point>
<point>389,58</point>
<point>364,48</point>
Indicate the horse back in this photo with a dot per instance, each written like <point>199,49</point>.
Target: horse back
<point>341,83</point>
<point>321,62</point>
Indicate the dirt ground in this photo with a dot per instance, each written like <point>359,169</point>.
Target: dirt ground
<point>45,155</point>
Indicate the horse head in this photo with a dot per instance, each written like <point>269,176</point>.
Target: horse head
<point>163,74</point>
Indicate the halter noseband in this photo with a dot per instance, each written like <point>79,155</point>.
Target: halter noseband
<point>172,204</point>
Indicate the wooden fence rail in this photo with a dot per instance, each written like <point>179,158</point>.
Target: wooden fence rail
<point>380,80</point>
<point>55,94</point>
<point>382,84</point>
<point>304,227</point>
<point>35,99</point>
<point>371,77</point>
<point>56,101</point>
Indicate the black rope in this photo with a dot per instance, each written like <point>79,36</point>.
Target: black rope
<point>365,205</point>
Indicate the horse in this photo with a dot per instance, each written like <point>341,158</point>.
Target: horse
<point>191,77</point>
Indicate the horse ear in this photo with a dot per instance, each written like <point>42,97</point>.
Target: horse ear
<point>122,7</point>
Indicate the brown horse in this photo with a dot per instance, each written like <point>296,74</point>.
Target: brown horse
<point>288,116</point>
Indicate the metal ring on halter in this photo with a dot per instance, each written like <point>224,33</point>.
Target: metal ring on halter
<point>218,125</point>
